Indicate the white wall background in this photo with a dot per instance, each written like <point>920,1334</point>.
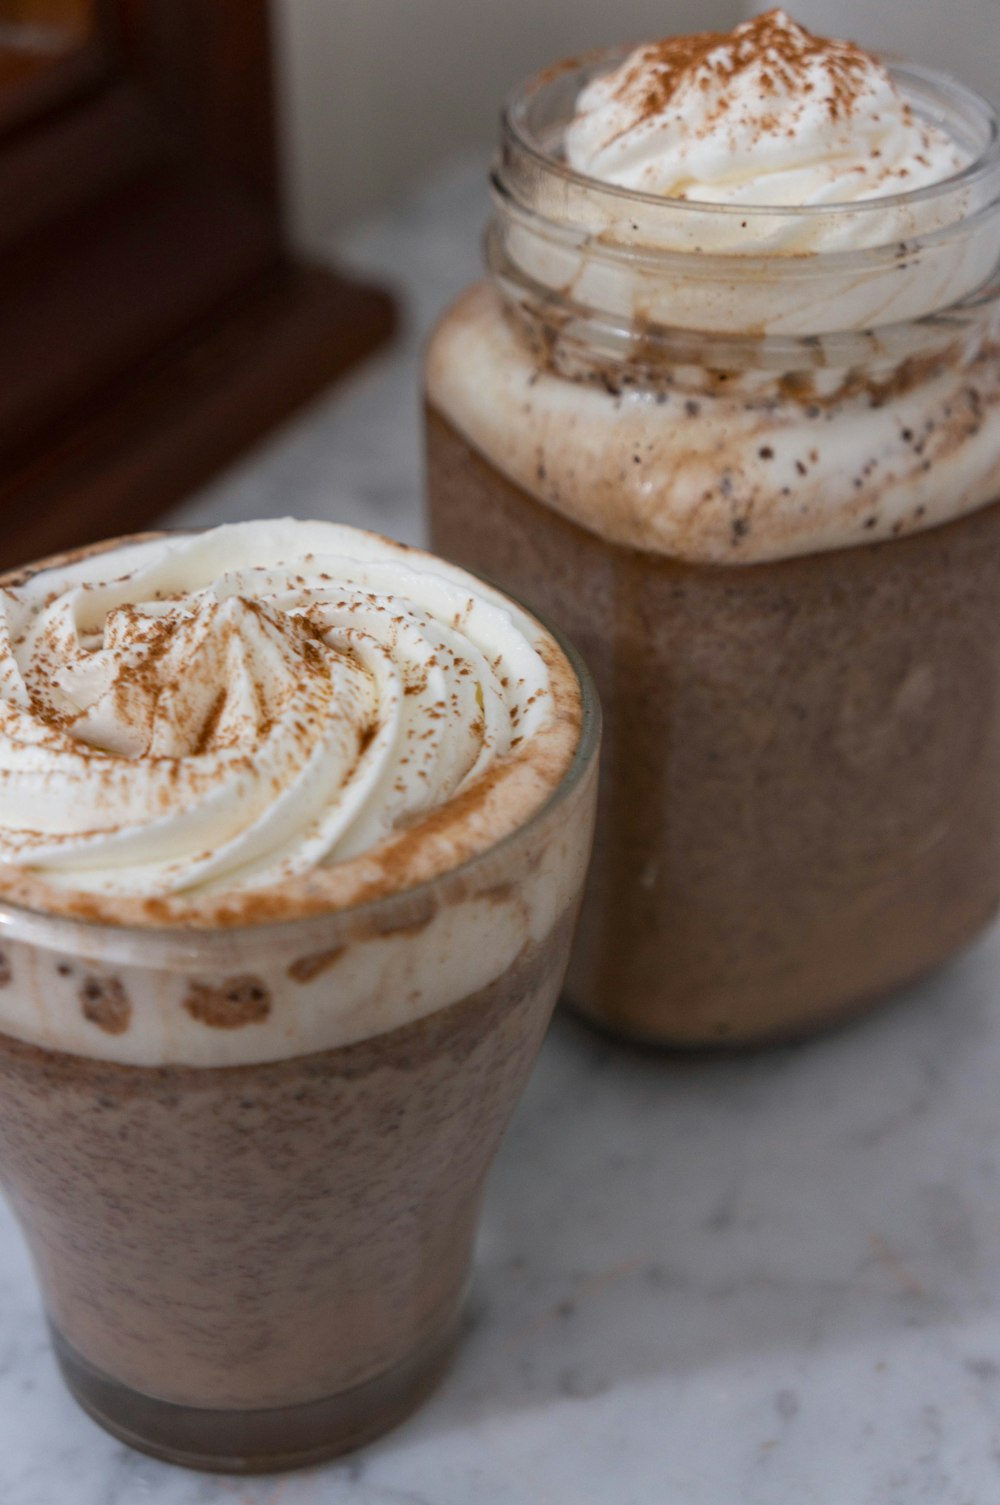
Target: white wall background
<point>376,91</point>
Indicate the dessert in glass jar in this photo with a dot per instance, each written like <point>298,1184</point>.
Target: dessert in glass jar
<point>727,410</point>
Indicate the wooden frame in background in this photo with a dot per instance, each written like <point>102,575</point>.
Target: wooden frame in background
<point>152,322</point>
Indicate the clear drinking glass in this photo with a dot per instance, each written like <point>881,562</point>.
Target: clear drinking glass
<point>254,1266</point>
<point>799,799</point>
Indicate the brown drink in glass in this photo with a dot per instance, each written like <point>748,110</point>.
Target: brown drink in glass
<point>246,1127</point>
<point>749,458</point>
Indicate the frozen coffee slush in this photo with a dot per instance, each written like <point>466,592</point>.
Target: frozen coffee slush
<point>728,411</point>
<point>293,827</point>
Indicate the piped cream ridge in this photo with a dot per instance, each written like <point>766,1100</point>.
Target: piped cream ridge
<point>264,719</point>
<point>767,114</point>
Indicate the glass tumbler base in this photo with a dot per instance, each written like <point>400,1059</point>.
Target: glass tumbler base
<point>258,1441</point>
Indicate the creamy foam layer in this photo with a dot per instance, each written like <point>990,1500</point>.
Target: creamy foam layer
<point>718,474</point>
<point>765,114</point>
<point>283,722</point>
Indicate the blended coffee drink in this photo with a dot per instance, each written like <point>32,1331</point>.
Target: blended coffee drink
<point>293,828</point>
<point>728,411</point>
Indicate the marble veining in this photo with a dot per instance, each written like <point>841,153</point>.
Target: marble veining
<point>762,1281</point>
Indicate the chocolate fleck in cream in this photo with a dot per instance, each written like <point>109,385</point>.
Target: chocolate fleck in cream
<point>230,1004</point>
<point>105,1003</point>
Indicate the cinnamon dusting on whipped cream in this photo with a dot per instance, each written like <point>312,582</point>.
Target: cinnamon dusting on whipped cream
<point>782,53</point>
<point>765,114</point>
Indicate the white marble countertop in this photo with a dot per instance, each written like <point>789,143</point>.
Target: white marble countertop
<point>768,1281</point>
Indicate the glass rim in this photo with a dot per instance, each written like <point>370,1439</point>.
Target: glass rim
<point>954,91</point>
<point>173,934</point>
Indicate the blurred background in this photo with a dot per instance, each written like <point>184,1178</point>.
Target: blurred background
<point>212,209</point>
<point>375,91</point>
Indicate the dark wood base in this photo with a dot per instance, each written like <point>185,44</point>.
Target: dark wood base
<point>140,444</point>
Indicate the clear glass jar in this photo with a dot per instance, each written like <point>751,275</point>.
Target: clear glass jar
<point>252,1216</point>
<point>759,490</point>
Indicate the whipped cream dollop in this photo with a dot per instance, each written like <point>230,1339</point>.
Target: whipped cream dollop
<point>767,114</point>
<point>228,710</point>
<point>700,157</point>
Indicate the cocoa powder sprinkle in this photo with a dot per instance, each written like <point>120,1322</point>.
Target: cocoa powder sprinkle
<point>710,58</point>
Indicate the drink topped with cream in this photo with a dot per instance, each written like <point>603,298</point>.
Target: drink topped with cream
<point>294,823</point>
<point>742,189</point>
<point>260,720</point>
<point>742,329</point>
<point>269,722</point>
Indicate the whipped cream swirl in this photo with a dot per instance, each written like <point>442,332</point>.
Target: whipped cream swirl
<point>765,115</point>
<point>231,709</point>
